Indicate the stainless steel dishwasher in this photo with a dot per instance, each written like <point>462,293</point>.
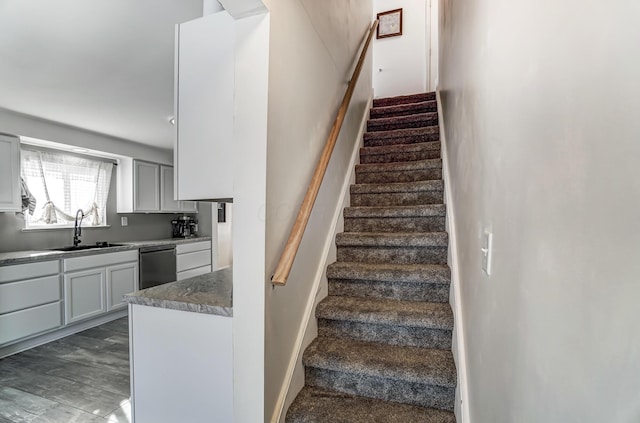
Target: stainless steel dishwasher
<point>157,265</point>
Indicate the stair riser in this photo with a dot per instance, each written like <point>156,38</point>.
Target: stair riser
<point>403,110</point>
<point>395,224</point>
<point>386,334</point>
<point>393,101</point>
<point>421,394</point>
<point>373,125</point>
<point>395,255</point>
<point>408,139</point>
<point>397,199</point>
<point>398,176</point>
<point>402,291</point>
<point>399,156</point>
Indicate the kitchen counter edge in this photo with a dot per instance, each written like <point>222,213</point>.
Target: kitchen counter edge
<point>32,256</point>
<point>211,293</point>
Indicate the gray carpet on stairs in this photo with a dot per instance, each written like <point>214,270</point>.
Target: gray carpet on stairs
<point>383,351</point>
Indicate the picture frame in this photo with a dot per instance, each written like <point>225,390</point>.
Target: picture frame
<point>390,23</point>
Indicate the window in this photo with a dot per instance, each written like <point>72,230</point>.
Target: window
<point>62,184</point>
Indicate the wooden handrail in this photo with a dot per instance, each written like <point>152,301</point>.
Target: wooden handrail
<point>283,268</point>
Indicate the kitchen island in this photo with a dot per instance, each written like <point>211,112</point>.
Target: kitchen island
<point>180,338</point>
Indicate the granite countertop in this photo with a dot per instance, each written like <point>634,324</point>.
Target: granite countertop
<point>210,293</point>
<point>30,256</point>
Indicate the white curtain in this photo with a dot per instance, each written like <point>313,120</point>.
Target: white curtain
<point>62,184</point>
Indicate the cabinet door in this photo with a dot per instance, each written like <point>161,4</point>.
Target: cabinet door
<point>146,186</point>
<point>10,199</point>
<point>167,203</point>
<point>189,206</point>
<point>121,279</point>
<point>84,294</point>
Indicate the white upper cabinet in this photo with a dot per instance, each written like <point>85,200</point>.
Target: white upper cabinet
<point>204,93</point>
<point>146,186</point>
<point>167,202</point>
<point>10,199</point>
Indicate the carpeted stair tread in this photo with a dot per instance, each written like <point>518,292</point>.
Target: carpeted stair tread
<point>402,136</point>
<point>399,167</point>
<point>387,312</point>
<point>393,187</point>
<point>403,109</point>
<point>408,273</point>
<point>400,152</point>
<point>402,122</point>
<point>313,405</point>
<point>428,210</point>
<point>402,133</point>
<point>423,170</point>
<point>395,239</point>
<point>404,99</point>
<point>410,364</point>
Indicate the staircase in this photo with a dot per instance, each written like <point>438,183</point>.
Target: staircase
<point>383,352</point>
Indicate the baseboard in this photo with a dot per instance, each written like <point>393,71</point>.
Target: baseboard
<point>296,357</point>
<point>459,350</point>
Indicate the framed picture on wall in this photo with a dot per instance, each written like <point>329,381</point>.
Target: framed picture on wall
<point>390,24</point>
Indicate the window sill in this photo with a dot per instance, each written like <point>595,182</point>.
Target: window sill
<point>54,228</point>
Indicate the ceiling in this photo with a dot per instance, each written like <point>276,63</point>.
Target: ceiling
<point>102,65</point>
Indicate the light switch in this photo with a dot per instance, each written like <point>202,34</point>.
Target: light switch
<point>124,221</point>
<point>487,252</point>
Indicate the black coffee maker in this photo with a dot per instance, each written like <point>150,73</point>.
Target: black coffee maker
<point>184,227</point>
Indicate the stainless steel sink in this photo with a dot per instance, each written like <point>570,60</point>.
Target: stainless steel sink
<point>86,247</point>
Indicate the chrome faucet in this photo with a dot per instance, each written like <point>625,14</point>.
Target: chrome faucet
<point>76,229</point>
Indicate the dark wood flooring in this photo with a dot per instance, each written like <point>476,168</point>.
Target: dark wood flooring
<point>77,379</point>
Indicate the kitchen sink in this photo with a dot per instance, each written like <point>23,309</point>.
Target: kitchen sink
<point>86,247</point>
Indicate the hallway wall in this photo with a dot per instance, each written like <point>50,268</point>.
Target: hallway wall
<point>313,50</point>
<point>541,104</point>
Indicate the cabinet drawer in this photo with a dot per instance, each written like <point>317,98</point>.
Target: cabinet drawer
<point>99,260</point>
<point>193,272</point>
<point>29,270</point>
<point>23,294</point>
<point>192,260</point>
<point>23,323</point>
<point>193,246</point>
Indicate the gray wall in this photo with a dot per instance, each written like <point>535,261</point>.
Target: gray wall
<point>141,227</point>
<point>541,104</point>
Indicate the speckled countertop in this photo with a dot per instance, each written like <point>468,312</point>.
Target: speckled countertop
<point>30,256</point>
<point>210,293</point>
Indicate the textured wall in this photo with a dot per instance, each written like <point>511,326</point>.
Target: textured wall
<point>541,103</point>
<point>313,48</point>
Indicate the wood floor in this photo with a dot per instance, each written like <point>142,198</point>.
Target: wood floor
<point>77,379</point>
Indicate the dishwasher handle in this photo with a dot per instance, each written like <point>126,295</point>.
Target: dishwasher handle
<point>153,248</point>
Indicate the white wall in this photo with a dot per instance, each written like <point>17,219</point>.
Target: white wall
<point>399,64</point>
<point>541,105</point>
<point>249,188</point>
<point>313,48</point>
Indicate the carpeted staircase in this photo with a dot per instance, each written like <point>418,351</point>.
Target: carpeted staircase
<point>383,352</point>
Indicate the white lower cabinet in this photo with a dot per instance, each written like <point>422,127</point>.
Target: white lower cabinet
<point>96,284</point>
<point>121,280</point>
<point>193,259</point>
<point>30,297</point>
<point>84,294</point>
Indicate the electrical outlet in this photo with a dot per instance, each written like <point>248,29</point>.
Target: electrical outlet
<point>124,221</point>
<point>487,252</point>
